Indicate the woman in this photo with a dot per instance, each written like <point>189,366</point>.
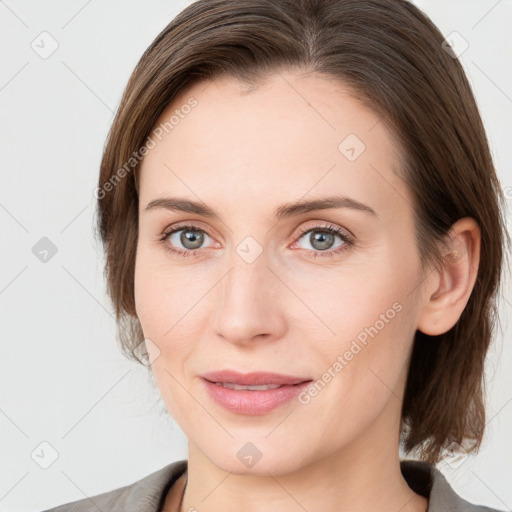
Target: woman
<point>303,230</point>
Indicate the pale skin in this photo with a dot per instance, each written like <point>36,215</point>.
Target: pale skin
<point>245,154</point>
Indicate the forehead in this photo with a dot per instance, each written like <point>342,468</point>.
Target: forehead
<point>291,135</point>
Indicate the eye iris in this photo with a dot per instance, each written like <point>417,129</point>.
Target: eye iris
<point>194,237</point>
<point>323,238</point>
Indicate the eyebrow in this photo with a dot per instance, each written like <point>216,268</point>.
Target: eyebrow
<point>284,211</point>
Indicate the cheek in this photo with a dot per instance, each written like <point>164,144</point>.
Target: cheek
<point>159,320</point>
<point>162,308</point>
<point>163,295</point>
<point>149,305</point>
<point>371,315</point>
<point>361,304</point>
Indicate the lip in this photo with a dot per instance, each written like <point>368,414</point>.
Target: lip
<point>253,378</point>
<point>256,402</point>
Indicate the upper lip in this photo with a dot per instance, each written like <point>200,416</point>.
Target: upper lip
<point>253,378</point>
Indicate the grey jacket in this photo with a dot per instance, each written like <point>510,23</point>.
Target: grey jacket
<point>148,494</point>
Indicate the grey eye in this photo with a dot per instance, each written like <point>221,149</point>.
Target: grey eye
<point>321,240</point>
<point>190,239</point>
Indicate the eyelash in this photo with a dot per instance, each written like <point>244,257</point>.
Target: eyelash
<point>348,241</point>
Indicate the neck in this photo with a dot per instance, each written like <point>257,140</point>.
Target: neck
<point>361,477</point>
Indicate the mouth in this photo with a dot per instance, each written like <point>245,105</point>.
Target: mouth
<point>233,385</point>
<point>254,393</point>
<point>253,379</point>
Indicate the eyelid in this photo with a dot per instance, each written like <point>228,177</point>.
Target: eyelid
<point>325,225</point>
<point>191,225</point>
<point>313,224</point>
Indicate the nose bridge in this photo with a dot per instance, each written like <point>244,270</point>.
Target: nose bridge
<point>248,262</point>
<point>246,284</point>
<point>248,303</point>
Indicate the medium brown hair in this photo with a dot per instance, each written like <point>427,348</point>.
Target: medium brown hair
<point>392,57</point>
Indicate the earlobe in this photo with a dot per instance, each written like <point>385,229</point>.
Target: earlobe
<point>448,288</point>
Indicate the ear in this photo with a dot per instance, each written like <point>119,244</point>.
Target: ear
<point>447,290</point>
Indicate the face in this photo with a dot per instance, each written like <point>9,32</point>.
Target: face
<point>326,298</point>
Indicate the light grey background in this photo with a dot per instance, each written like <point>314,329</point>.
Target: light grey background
<point>62,378</point>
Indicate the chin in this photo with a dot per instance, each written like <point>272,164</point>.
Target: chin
<point>256,458</point>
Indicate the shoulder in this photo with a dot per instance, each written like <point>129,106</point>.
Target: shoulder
<point>428,481</point>
<point>145,494</point>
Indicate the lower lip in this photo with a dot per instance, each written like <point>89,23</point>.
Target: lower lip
<point>253,402</point>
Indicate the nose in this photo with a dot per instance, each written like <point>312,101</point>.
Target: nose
<point>251,304</point>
